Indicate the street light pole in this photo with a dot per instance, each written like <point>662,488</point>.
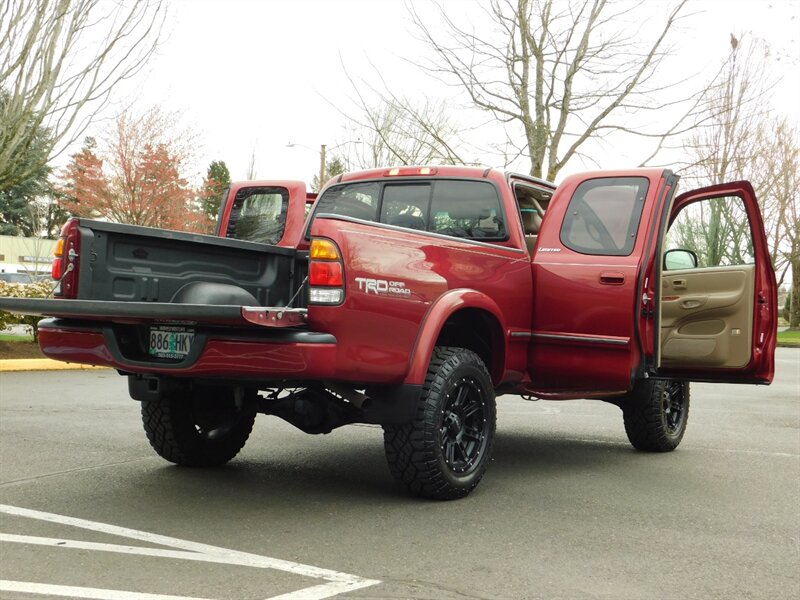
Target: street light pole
<point>322,165</point>
<point>323,154</point>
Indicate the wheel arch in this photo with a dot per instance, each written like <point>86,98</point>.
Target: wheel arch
<point>466,319</point>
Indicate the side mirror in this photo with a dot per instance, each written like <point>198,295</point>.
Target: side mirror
<point>679,259</point>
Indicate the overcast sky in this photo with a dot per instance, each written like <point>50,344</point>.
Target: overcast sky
<point>254,75</point>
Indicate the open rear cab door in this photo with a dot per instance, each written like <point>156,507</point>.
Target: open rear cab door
<point>716,296</point>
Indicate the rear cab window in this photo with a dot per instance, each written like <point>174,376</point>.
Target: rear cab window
<point>465,209</point>
<point>258,214</point>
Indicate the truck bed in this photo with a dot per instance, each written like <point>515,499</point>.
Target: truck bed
<point>139,264</point>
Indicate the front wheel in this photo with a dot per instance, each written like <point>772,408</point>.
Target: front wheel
<point>443,453</point>
<point>203,428</point>
<point>656,414</point>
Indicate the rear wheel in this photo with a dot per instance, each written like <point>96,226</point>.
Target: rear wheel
<point>656,414</point>
<point>204,428</point>
<point>444,452</point>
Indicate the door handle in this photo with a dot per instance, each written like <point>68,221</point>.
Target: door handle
<point>679,284</point>
<point>690,302</point>
<point>612,278</point>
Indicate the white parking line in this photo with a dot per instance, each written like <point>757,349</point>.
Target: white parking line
<point>70,591</point>
<point>338,582</point>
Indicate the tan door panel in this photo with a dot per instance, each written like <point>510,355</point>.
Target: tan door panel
<point>707,316</point>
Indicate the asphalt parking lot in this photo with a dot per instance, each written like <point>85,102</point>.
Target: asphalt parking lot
<point>566,510</point>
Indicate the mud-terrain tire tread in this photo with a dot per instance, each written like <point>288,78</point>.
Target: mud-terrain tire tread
<point>644,421</point>
<point>171,431</point>
<point>412,451</point>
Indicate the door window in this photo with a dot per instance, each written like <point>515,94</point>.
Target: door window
<point>603,216</point>
<point>467,209</point>
<point>717,231</point>
<point>357,200</point>
<point>406,205</point>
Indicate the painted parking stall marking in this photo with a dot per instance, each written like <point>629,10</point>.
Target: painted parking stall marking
<point>334,582</point>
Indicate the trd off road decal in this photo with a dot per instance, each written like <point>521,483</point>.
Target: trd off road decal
<point>383,287</point>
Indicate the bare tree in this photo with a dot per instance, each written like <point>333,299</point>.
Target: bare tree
<point>46,216</point>
<point>136,175</point>
<point>557,73</point>
<point>402,134</point>
<point>252,173</point>
<point>724,147</point>
<point>393,130</point>
<point>59,62</point>
<point>741,139</point>
<point>778,165</point>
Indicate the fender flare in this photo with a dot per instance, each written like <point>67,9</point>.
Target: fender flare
<point>439,312</point>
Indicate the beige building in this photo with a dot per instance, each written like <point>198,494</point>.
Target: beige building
<point>25,255</point>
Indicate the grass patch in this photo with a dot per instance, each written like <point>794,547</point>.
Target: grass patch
<point>7,337</point>
<point>789,338</point>
<point>25,349</point>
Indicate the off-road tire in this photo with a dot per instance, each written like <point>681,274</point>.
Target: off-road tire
<point>204,428</point>
<point>443,453</point>
<point>656,414</point>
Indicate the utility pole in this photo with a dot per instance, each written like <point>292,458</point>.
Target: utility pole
<point>322,165</point>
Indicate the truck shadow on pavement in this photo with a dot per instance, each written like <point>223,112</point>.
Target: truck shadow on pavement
<point>550,452</point>
<point>353,469</point>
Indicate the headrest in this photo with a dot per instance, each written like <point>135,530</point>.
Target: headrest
<point>531,220</point>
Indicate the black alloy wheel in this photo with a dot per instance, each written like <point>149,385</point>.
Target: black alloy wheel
<point>204,427</point>
<point>464,431</point>
<point>672,406</point>
<point>443,453</point>
<point>656,414</point>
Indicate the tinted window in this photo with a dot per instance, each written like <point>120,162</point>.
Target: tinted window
<point>603,216</point>
<point>468,209</point>
<point>406,205</point>
<point>259,215</point>
<point>358,200</point>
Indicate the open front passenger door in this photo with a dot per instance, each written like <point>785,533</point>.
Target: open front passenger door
<point>716,297</point>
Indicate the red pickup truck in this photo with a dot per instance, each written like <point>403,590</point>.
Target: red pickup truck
<point>410,297</point>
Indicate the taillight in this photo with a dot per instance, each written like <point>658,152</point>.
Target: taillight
<point>325,273</point>
<point>66,265</point>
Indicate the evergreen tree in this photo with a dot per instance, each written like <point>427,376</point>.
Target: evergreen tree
<point>17,200</point>
<point>333,168</point>
<point>217,180</point>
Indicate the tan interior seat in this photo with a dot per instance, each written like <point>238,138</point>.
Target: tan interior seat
<point>531,222</point>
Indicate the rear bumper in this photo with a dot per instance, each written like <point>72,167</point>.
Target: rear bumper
<point>265,354</point>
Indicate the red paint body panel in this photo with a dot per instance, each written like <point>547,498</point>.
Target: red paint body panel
<point>513,368</point>
<point>221,358</point>
<point>379,334</point>
<point>585,331</point>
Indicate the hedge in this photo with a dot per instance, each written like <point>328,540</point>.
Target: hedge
<point>39,289</point>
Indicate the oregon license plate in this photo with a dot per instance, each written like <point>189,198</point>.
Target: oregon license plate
<point>170,342</point>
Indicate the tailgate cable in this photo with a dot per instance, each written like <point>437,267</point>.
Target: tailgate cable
<point>67,271</point>
<point>297,293</point>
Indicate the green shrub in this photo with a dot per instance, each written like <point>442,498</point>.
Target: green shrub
<point>786,307</point>
<point>39,289</point>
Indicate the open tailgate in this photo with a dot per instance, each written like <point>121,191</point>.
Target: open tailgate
<point>151,312</point>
